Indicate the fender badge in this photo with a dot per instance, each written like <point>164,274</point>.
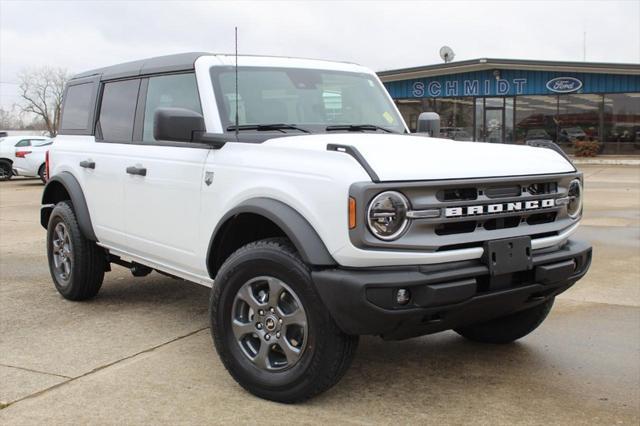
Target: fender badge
<point>208,178</point>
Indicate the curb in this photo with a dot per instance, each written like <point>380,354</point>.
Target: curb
<point>607,161</point>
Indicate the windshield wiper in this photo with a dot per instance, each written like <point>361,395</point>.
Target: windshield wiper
<point>267,127</point>
<point>357,127</point>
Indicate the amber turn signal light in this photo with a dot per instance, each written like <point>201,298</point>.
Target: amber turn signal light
<point>352,212</point>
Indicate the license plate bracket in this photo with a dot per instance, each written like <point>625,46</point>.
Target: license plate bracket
<point>508,255</point>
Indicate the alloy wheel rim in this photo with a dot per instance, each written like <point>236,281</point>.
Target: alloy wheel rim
<point>269,323</point>
<point>62,252</point>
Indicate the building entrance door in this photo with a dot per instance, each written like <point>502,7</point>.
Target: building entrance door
<point>494,123</point>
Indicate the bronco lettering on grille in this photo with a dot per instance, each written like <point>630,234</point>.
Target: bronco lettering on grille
<point>499,208</point>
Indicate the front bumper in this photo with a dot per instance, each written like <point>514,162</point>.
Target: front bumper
<point>444,296</point>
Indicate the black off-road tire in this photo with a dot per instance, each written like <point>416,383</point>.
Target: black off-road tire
<point>329,351</point>
<point>87,258</point>
<point>6,171</point>
<point>508,328</point>
<point>42,173</point>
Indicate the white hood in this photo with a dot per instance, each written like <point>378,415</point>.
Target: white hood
<point>404,157</point>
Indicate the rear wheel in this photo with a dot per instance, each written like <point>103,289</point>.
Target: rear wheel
<point>6,171</point>
<point>270,328</point>
<point>76,264</point>
<point>508,328</point>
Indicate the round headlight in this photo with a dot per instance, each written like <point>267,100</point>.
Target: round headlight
<point>574,206</point>
<point>387,215</point>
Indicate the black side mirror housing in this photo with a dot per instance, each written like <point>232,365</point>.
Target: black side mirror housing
<point>177,124</point>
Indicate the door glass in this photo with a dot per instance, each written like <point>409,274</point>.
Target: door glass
<point>118,110</point>
<point>494,125</point>
<point>169,91</point>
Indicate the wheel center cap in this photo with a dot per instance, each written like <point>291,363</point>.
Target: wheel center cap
<point>270,323</point>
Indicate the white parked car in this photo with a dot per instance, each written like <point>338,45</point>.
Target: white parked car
<point>8,146</point>
<point>293,188</point>
<point>30,160</point>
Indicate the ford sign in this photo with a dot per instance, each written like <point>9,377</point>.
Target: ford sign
<point>564,84</point>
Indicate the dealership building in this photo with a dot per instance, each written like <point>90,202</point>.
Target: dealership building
<point>512,101</point>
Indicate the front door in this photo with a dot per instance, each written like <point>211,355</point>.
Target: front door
<point>164,180</point>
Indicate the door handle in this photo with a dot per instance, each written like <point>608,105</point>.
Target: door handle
<point>86,164</point>
<point>140,171</point>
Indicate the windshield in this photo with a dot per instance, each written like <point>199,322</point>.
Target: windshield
<point>308,98</point>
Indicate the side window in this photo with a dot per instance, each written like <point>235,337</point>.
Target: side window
<point>77,107</point>
<point>117,111</point>
<point>23,142</point>
<point>176,91</point>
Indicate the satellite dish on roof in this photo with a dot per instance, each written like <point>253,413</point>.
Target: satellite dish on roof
<point>446,53</point>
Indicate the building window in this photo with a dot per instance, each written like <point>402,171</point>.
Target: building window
<point>578,119</point>
<point>621,123</point>
<point>456,118</point>
<point>456,115</point>
<point>536,118</point>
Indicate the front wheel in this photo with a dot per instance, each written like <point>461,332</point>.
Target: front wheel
<point>270,328</point>
<point>508,328</point>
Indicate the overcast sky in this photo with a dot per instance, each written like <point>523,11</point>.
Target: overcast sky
<point>82,35</point>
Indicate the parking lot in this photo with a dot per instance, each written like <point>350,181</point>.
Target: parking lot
<point>141,351</point>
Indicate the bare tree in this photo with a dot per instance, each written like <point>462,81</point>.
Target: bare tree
<point>41,90</point>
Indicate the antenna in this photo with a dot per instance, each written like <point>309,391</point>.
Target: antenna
<point>237,120</point>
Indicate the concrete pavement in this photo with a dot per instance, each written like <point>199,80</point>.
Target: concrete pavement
<point>141,351</point>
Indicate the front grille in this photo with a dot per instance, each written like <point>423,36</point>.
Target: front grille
<point>510,200</point>
<point>457,194</point>
<point>471,211</point>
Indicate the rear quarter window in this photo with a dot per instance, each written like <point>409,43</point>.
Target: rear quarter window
<point>78,107</point>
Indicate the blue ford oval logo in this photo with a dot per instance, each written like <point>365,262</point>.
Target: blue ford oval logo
<point>564,84</point>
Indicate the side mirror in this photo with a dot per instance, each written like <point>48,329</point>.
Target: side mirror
<point>177,124</point>
<point>429,122</point>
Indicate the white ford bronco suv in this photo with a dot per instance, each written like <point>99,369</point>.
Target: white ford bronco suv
<point>293,189</point>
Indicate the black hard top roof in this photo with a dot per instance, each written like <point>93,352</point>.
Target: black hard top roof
<point>159,64</point>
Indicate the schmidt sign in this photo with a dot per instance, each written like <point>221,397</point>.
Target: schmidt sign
<point>484,84</point>
<point>488,87</point>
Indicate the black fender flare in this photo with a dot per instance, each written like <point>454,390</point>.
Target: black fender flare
<point>73,188</point>
<point>303,236</point>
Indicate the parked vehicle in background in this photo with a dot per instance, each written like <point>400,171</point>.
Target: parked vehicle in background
<point>30,160</point>
<point>455,133</point>
<point>624,133</point>
<point>538,134</point>
<point>572,134</point>
<point>8,147</point>
<point>296,186</point>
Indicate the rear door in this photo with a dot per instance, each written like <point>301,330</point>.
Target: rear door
<point>162,192</point>
<point>101,165</point>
